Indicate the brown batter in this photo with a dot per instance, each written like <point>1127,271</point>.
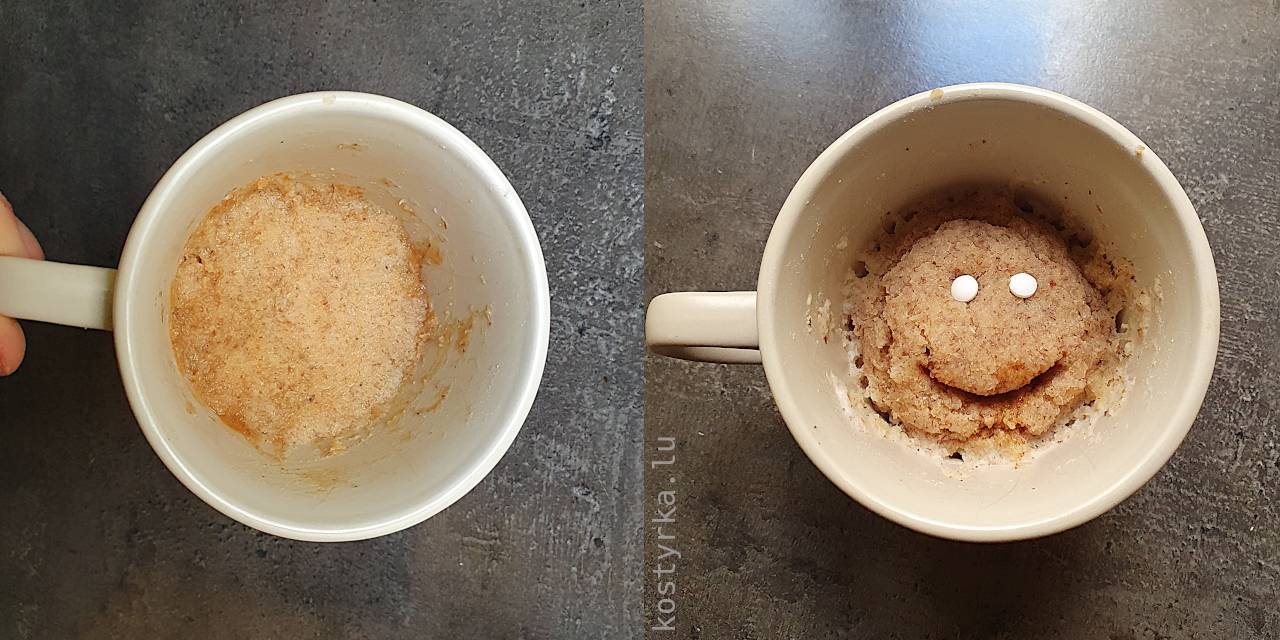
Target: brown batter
<point>998,365</point>
<point>297,311</point>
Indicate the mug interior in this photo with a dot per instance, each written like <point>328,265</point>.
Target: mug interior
<point>469,395</point>
<point>1055,149</point>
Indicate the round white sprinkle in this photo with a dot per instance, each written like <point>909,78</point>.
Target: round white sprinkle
<point>964,288</point>
<point>1022,285</point>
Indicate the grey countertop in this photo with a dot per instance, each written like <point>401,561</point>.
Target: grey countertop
<point>99,540</point>
<point>740,97</point>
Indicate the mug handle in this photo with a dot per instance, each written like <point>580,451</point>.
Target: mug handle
<point>704,326</point>
<point>70,294</point>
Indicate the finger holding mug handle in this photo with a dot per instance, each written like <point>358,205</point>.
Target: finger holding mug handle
<point>704,326</point>
<point>72,294</point>
<point>31,289</point>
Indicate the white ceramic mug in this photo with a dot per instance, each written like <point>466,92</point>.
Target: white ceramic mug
<point>478,401</point>
<point>971,133</point>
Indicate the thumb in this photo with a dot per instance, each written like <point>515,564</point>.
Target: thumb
<point>15,238</point>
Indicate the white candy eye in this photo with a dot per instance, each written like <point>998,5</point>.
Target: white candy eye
<point>1022,285</point>
<point>964,288</point>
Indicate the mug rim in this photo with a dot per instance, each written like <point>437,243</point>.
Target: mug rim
<point>126,304</point>
<point>1205,348</point>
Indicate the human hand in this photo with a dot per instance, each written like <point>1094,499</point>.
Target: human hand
<point>15,240</point>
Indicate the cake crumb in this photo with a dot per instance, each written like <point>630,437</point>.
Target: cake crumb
<point>298,309</point>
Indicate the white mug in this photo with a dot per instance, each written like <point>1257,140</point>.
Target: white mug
<point>971,133</point>
<point>478,399</point>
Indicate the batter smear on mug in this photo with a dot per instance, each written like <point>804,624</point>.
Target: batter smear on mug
<point>298,310</point>
<point>980,321</point>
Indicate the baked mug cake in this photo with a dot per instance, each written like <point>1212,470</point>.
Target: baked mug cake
<point>983,321</point>
<point>938,345</point>
<point>299,312</point>
<point>252,280</point>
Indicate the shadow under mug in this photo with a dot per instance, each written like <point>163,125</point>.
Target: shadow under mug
<point>1006,134</point>
<point>491,262</point>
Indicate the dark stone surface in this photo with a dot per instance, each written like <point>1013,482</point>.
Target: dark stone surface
<point>740,97</point>
<point>99,540</point>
